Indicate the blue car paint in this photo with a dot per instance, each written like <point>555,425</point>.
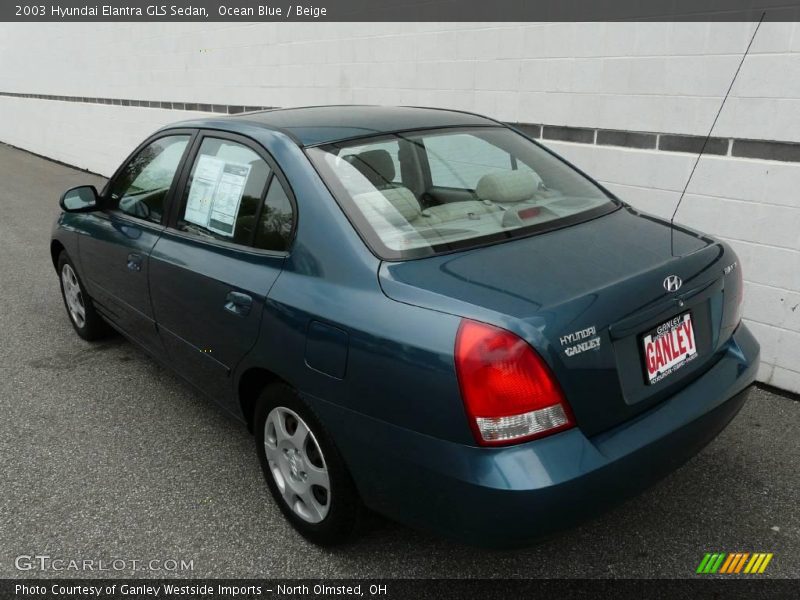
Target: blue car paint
<point>504,497</point>
<point>388,392</point>
<point>522,286</point>
<point>330,276</point>
<point>195,280</point>
<point>112,243</point>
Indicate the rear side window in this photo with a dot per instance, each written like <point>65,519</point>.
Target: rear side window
<point>233,195</point>
<point>224,192</point>
<point>275,221</point>
<point>141,188</point>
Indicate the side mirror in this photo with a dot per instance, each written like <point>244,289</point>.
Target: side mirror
<point>80,199</point>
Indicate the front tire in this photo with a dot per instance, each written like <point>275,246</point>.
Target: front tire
<point>304,471</point>
<point>80,310</point>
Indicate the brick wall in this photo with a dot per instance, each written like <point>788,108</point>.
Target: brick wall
<point>664,78</point>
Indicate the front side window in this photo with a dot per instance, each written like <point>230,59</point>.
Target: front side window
<point>141,188</point>
<point>457,188</point>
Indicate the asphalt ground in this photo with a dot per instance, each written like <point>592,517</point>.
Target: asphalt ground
<point>106,455</point>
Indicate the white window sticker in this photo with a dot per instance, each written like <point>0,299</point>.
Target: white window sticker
<point>201,195</point>
<point>228,198</point>
<point>216,194</point>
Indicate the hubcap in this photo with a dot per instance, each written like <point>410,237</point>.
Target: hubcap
<point>297,464</point>
<point>73,296</point>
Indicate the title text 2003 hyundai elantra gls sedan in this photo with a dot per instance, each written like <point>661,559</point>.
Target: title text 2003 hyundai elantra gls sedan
<point>417,311</point>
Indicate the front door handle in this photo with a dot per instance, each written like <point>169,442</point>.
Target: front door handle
<point>134,262</point>
<point>239,304</point>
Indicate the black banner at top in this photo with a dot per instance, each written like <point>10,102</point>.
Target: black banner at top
<point>398,10</point>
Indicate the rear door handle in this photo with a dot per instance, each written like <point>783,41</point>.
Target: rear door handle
<point>134,262</point>
<point>239,304</point>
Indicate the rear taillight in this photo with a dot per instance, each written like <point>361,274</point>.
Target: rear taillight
<point>509,392</point>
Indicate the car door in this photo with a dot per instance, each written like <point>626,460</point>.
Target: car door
<point>213,266</point>
<point>115,248</point>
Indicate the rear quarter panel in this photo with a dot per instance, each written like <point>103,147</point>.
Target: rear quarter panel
<point>399,365</point>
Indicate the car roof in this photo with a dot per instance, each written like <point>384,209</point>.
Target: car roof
<point>314,125</point>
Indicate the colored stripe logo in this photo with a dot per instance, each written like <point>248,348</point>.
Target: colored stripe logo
<point>734,562</point>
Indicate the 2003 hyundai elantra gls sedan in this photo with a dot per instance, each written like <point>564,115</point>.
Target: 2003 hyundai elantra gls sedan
<point>419,311</point>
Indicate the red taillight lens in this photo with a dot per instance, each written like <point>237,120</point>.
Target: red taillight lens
<point>509,392</point>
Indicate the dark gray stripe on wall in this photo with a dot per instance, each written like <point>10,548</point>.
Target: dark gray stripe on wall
<point>582,135</point>
<point>628,139</point>
<point>642,140</point>
<point>529,129</point>
<point>227,109</point>
<point>692,144</point>
<point>768,150</point>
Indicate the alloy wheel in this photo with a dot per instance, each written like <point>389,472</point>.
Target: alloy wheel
<point>297,464</point>
<point>73,296</point>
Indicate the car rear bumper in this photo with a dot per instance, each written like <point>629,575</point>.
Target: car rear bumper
<point>511,496</point>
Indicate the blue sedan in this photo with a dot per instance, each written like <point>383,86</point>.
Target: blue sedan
<point>416,311</point>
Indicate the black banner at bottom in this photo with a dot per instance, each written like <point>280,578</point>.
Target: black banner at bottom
<point>356,589</point>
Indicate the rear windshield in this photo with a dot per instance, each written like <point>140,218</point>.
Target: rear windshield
<point>421,193</point>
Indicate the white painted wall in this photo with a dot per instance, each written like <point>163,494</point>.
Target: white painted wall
<point>661,77</point>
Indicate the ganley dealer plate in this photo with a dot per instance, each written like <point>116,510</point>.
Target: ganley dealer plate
<point>668,347</point>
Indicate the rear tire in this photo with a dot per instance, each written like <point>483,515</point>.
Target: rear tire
<point>81,312</point>
<point>304,471</point>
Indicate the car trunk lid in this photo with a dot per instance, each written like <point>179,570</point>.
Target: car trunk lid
<point>585,297</point>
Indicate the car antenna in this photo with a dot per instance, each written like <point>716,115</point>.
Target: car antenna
<point>705,141</point>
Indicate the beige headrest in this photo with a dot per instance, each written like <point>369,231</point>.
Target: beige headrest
<point>376,165</point>
<point>507,186</point>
